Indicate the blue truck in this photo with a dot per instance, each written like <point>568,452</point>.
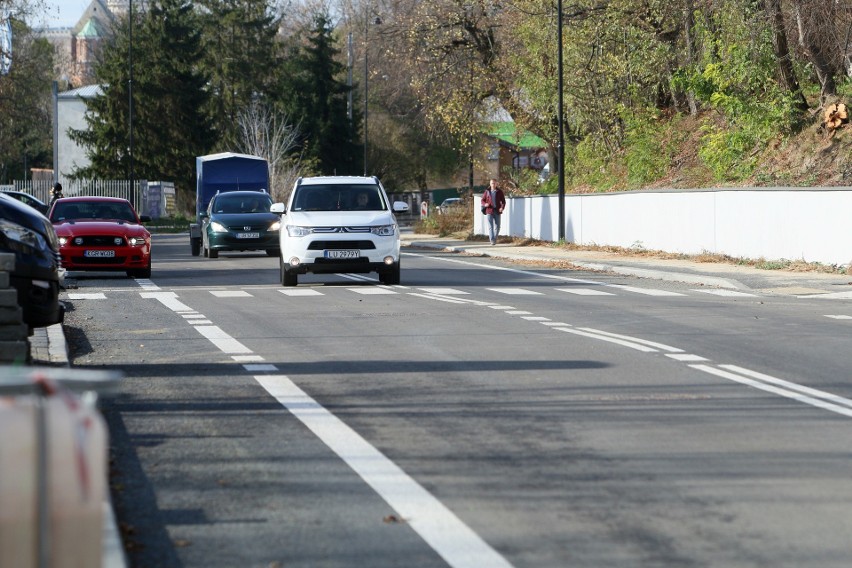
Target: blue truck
<point>219,173</point>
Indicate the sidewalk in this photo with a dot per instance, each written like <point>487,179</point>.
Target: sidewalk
<point>734,277</point>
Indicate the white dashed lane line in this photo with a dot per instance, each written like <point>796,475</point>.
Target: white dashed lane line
<point>585,292</point>
<point>436,524</point>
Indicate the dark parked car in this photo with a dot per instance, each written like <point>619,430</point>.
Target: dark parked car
<point>239,221</point>
<point>31,238</point>
<point>28,199</point>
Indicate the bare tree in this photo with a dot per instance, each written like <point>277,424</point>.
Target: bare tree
<point>271,136</point>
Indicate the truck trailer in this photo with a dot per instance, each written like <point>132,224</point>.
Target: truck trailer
<point>220,173</point>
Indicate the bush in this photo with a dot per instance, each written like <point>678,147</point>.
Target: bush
<point>454,220</point>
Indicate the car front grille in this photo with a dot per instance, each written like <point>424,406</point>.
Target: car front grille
<point>341,229</point>
<point>241,227</point>
<point>341,245</point>
<point>96,241</point>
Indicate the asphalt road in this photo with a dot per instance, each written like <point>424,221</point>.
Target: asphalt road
<point>481,414</point>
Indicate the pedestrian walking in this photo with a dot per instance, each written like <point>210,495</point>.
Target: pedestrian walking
<point>56,193</point>
<point>493,202</point>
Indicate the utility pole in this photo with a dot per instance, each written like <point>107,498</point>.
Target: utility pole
<point>561,144</point>
<point>130,101</point>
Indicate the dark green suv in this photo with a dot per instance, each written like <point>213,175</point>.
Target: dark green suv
<point>239,221</point>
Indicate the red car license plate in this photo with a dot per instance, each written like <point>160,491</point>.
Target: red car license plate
<point>98,253</point>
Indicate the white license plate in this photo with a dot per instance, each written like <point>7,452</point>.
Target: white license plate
<point>342,253</point>
<point>248,235</point>
<point>98,253</point>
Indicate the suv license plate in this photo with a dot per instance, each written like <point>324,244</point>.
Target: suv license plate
<point>342,253</point>
<point>248,235</point>
<point>98,253</point>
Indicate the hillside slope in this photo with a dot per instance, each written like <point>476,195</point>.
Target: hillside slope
<point>813,157</point>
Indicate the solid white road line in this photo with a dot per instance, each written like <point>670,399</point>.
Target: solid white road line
<point>515,291</point>
<point>443,291</point>
<point>646,291</point>
<point>168,299</point>
<point>230,293</point>
<point>222,340</point>
<point>301,292</point>
<point>439,298</point>
<point>636,346</point>
<point>792,386</point>
<point>453,540</point>
<point>660,346</point>
<point>840,317</point>
<point>686,357</point>
<point>83,296</point>
<point>775,390</point>
<point>372,291</point>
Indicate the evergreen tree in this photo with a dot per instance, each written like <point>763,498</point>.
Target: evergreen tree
<point>169,124</point>
<point>26,106</point>
<point>316,98</point>
<point>241,56</point>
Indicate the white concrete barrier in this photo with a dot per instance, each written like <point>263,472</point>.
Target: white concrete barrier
<point>810,224</point>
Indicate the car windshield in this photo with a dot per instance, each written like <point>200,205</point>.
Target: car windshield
<point>112,211</point>
<point>339,197</point>
<point>259,203</point>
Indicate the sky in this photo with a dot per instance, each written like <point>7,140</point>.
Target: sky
<point>63,13</point>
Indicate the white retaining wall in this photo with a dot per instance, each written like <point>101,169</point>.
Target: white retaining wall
<point>812,224</point>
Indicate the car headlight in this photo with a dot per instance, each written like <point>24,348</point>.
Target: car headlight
<point>25,239</point>
<point>384,230</point>
<point>63,241</point>
<point>136,241</point>
<point>218,227</point>
<point>296,231</point>
<point>276,226</point>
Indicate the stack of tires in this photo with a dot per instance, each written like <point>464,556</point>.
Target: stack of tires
<point>14,347</point>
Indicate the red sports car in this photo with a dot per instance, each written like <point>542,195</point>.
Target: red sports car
<point>101,233</point>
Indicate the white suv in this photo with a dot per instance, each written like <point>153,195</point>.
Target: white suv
<point>339,224</point>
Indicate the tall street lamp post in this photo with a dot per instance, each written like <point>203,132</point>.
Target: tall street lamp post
<point>130,99</point>
<point>560,161</point>
<point>377,21</point>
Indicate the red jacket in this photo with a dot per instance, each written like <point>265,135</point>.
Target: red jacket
<point>499,205</point>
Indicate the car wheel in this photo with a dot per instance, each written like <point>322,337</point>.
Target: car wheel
<point>273,252</point>
<point>392,277</point>
<point>195,245</point>
<point>212,253</point>
<point>288,277</point>
<point>140,273</point>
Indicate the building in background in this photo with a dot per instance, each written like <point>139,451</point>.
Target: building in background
<point>77,47</point>
<point>70,114</point>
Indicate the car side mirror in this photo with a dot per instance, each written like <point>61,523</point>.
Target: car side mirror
<point>144,218</point>
<point>203,215</point>
<point>400,206</point>
<point>278,208</point>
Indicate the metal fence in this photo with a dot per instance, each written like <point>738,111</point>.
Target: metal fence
<point>41,189</point>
